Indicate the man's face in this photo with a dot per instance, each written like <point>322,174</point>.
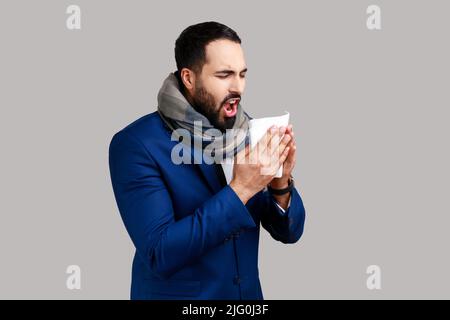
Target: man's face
<point>220,84</point>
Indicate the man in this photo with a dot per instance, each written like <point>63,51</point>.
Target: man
<point>195,228</point>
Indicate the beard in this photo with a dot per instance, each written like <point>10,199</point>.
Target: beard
<point>205,104</point>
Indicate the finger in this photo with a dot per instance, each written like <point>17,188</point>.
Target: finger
<point>290,131</point>
<point>266,137</point>
<point>283,157</point>
<point>283,144</point>
<point>265,141</point>
<point>290,128</point>
<point>273,136</point>
<point>292,152</point>
<point>290,160</point>
<point>278,160</point>
<point>275,148</point>
<point>273,144</point>
<point>291,142</point>
<point>277,145</point>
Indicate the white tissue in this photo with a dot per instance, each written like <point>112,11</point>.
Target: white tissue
<point>258,127</point>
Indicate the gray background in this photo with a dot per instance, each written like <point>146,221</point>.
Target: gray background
<point>370,111</point>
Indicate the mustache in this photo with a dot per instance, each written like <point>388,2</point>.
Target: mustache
<point>231,96</point>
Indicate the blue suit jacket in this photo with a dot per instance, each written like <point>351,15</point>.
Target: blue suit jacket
<point>194,237</point>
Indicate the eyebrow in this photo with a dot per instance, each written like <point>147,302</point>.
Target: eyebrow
<point>227,71</point>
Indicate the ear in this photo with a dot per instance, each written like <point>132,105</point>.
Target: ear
<point>188,78</point>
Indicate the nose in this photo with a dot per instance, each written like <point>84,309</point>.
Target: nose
<point>237,85</point>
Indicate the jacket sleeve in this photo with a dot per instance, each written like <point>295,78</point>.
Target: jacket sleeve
<point>287,226</point>
<point>146,209</point>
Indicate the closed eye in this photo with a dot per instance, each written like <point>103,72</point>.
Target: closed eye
<point>224,76</point>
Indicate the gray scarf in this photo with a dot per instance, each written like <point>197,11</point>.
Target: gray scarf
<point>177,113</point>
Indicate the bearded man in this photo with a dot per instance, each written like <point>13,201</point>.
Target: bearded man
<point>196,227</point>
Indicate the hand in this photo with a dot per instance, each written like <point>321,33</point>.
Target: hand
<point>288,164</point>
<point>255,168</point>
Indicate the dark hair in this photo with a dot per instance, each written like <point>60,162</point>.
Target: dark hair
<point>190,45</point>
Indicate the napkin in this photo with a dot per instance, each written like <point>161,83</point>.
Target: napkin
<point>258,127</point>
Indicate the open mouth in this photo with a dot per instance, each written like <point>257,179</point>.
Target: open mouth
<point>230,107</point>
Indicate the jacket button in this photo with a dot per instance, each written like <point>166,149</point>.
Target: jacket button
<point>237,280</point>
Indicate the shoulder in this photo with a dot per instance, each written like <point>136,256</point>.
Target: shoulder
<point>147,131</point>
<point>148,126</point>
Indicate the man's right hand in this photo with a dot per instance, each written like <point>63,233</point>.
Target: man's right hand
<point>255,168</point>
